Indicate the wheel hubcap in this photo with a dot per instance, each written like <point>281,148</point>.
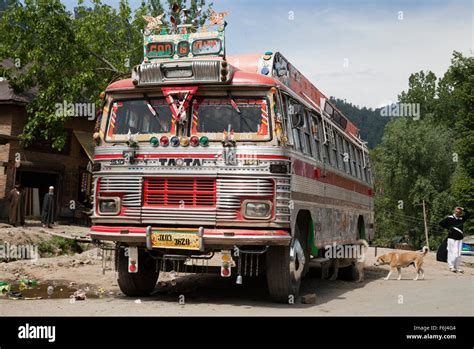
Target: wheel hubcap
<point>297,260</point>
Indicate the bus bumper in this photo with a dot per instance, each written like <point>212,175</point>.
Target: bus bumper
<point>212,237</point>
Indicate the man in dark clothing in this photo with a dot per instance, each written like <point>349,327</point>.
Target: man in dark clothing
<point>47,216</point>
<point>16,197</point>
<point>454,223</point>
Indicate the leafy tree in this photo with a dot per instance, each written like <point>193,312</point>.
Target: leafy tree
<point>39,36</point>
<point>460,79</point>
<point>429,159</point>
<point>153,7</point>
<point>421,90</point>
<point>71,56</point>
<point>412,164</point>
<point>4,4</point>
<point>197,10</point>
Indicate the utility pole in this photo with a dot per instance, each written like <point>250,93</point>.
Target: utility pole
<point>426,225</point>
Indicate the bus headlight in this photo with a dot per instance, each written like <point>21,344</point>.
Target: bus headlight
<point>257,209</point>
<point>109,206</point>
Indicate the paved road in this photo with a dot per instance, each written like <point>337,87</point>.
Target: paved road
<point>212,295</point>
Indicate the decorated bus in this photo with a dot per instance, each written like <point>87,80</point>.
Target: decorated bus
<point>202,157</point>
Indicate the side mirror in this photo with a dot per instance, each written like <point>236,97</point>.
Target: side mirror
<point>297,120</point>
<point>296,114</point>
<point>282,72</point>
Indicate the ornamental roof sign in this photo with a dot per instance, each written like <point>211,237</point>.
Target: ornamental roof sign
<point>173,41</point>
<point>183,53</point>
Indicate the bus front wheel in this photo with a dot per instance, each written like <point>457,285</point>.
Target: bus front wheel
<point>284,268</point>
<point>139,284</point>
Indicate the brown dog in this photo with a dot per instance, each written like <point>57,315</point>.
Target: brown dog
<point>398,261</point>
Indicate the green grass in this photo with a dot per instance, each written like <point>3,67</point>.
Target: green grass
<point>57,246</point>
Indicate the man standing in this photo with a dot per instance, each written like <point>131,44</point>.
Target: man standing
<point>47,216</point>
<point>16,198</point>
<point>454,223</point>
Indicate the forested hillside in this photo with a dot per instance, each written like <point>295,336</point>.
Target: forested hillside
<point>369,121</point>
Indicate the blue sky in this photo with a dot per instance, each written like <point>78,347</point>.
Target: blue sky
<point>362,51</point>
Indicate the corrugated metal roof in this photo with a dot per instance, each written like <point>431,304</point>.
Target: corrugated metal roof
<point>8,96</point>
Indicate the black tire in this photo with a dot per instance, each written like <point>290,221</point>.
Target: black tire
<point>350,273</point>
<point>283,275</point>
<point>139,284</point>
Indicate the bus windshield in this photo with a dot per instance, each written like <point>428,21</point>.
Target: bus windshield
<point>140,116</point>
<point>246,117</point>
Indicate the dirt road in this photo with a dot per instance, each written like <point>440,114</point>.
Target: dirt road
<point>212,295</point>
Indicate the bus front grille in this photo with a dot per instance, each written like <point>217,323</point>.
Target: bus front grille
<point>180,192</point>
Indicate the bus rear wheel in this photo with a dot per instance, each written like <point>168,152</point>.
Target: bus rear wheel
<point>284,269</point>
<point>139,284</point>
<point>350,273</point>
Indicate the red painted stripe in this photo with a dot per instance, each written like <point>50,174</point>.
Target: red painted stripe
<point>276,157</point>
<point>108,156</point>
<point>198,156</point>
<point>207,232</point>
<point>238,232</point>
<point>105,229</point>
<point>307,170</point>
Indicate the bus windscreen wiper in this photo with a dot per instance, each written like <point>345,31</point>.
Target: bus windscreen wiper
<point>150,106</point>
<point>234,105</point>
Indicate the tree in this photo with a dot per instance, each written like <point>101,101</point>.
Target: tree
<point>421,90</point>
<point>412,164</point>
<point>71,56</point>
<point>198,12</point>
<point>460,79</point>
<point>4,4</point>
<point>428,159</point>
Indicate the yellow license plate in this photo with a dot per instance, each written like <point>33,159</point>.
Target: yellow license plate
<point>191,240</point>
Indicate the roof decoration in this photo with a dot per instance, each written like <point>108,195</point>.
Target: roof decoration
<point>153,23</point>
<point>166,39</point>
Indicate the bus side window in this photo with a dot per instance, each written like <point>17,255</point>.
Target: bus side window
<point>316,131</point>
<point>305,135</point>
<point>358,163</point>
<point>352,160</point>
<point>286,106</point>
<point>334,160</point>
<point>363,169</point>
<point>326,149</point>
<point>331,147</point>
<point>297,138</point>
<point>346,157</point>
<point>340,151</point>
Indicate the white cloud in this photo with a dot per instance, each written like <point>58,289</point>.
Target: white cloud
<point>381,50</point>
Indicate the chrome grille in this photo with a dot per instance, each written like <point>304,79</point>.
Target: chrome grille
<point>178,215</point>
<point>131,187</point>
<point>147,74</point>
<point>206,71</point>
<point>283,194</point>
<point>225,199</point>
<point>230,191</point>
